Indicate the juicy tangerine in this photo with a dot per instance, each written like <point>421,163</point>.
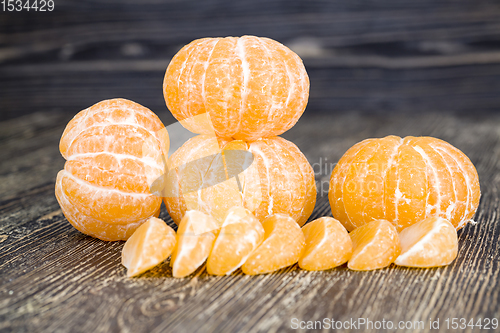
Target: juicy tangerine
<point>149,245</point>
<point>195,238</point>
<point>283,245</point>
<point>429,243</point>
<point>240,235</point>
<point>279,180</point>
<point>375,245</point>
<point>328,245</point>
<point>252,87</point>
<point>113,151</point>
<point>403,181</point>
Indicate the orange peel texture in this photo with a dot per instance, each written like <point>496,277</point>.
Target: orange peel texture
<point>253,87</point>
<point>403,181</point>
<point>113,152</point>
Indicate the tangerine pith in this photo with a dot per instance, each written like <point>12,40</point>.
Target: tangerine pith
<point>403,181</point>
<point>252,87</point>
<point>113,152</point>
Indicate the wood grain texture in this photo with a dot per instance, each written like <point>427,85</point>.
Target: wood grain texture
<point>53,278</point>
<point>360,55</point>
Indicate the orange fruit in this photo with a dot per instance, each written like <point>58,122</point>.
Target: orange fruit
<point>328,245</point>
<point>375,245</point>
<point>149,245</point>
<point>240,235</point>
<point>403,181</point>
<point>428,243</point>
<point>278,180</point>
<point>113,152</point>
<point>282,246</point>
<point>252,87</point>
<point>193,245</point>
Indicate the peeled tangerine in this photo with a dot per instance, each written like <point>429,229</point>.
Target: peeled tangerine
<point>149,245</point>
<point>428,243</point>
<point>283,245</point>
<point>195,238</point>
<point>328,245</point>
<point>113,151</point>
<point>403,181</point>
<point>376,245</point>
<point>277,179</point>
<point>253,87</point>
<point>240,235</point>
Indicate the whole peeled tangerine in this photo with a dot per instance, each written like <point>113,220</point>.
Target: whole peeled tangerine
<point>277,178</point>
<point>113,152</point>
<point>252,87</point>
<point>403,181</point>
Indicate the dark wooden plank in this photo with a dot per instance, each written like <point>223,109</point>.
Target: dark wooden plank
<point>360,55</point>
<point>53,278</point>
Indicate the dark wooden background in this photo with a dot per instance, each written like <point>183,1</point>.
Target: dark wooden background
<point>376,68</point>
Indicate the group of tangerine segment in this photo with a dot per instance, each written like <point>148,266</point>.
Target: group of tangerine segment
<point>403,181</point>
<point>195,238</point>
<point>429,243</point>
<point>375,245</point>
<point>149,245</point>
<point>240,234</point>
<point>253,87</point>
<point>328,245</point>
<point>283,245</point>
<point>113,152</point>
<point>278,180</point>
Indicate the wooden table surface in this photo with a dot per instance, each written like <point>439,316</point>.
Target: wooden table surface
<point>376,68</point>
<point>53,278</point>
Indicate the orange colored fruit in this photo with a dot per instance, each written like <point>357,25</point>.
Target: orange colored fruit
<point>403,181</point>
<point>278,180</point>
<point>193,244</point>
<point>328,245</point>
<point>375,245</point>
<point>282,246</point>
<point>429,243</point>
<point>252,87</point>
<point>149,245</point>
<point>240,235</point>
<point>113,152</point>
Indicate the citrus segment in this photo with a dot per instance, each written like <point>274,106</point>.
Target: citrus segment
<point>328,245</point>
<point>149,245</point>
<point>252,87</point>
<point>193,247</point>
<point>282,246</point>
<point>429,243</point>
<point>240,235</point>
<point>375,245</point>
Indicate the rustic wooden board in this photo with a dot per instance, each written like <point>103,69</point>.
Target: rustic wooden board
<point>360,55</point>
<point>53,278</point>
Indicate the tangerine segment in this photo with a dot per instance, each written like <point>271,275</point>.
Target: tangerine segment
<point>278,180</point>
<point>328,245</point>
<point>375,245</point>
<point>149,245</point>
<point>403,181</point>
<point>193,247</point>
<point>252,87</point>
<point>114,151</point>
<point>240,235</point>
<point>429,243</point>
<point>282,246</point>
